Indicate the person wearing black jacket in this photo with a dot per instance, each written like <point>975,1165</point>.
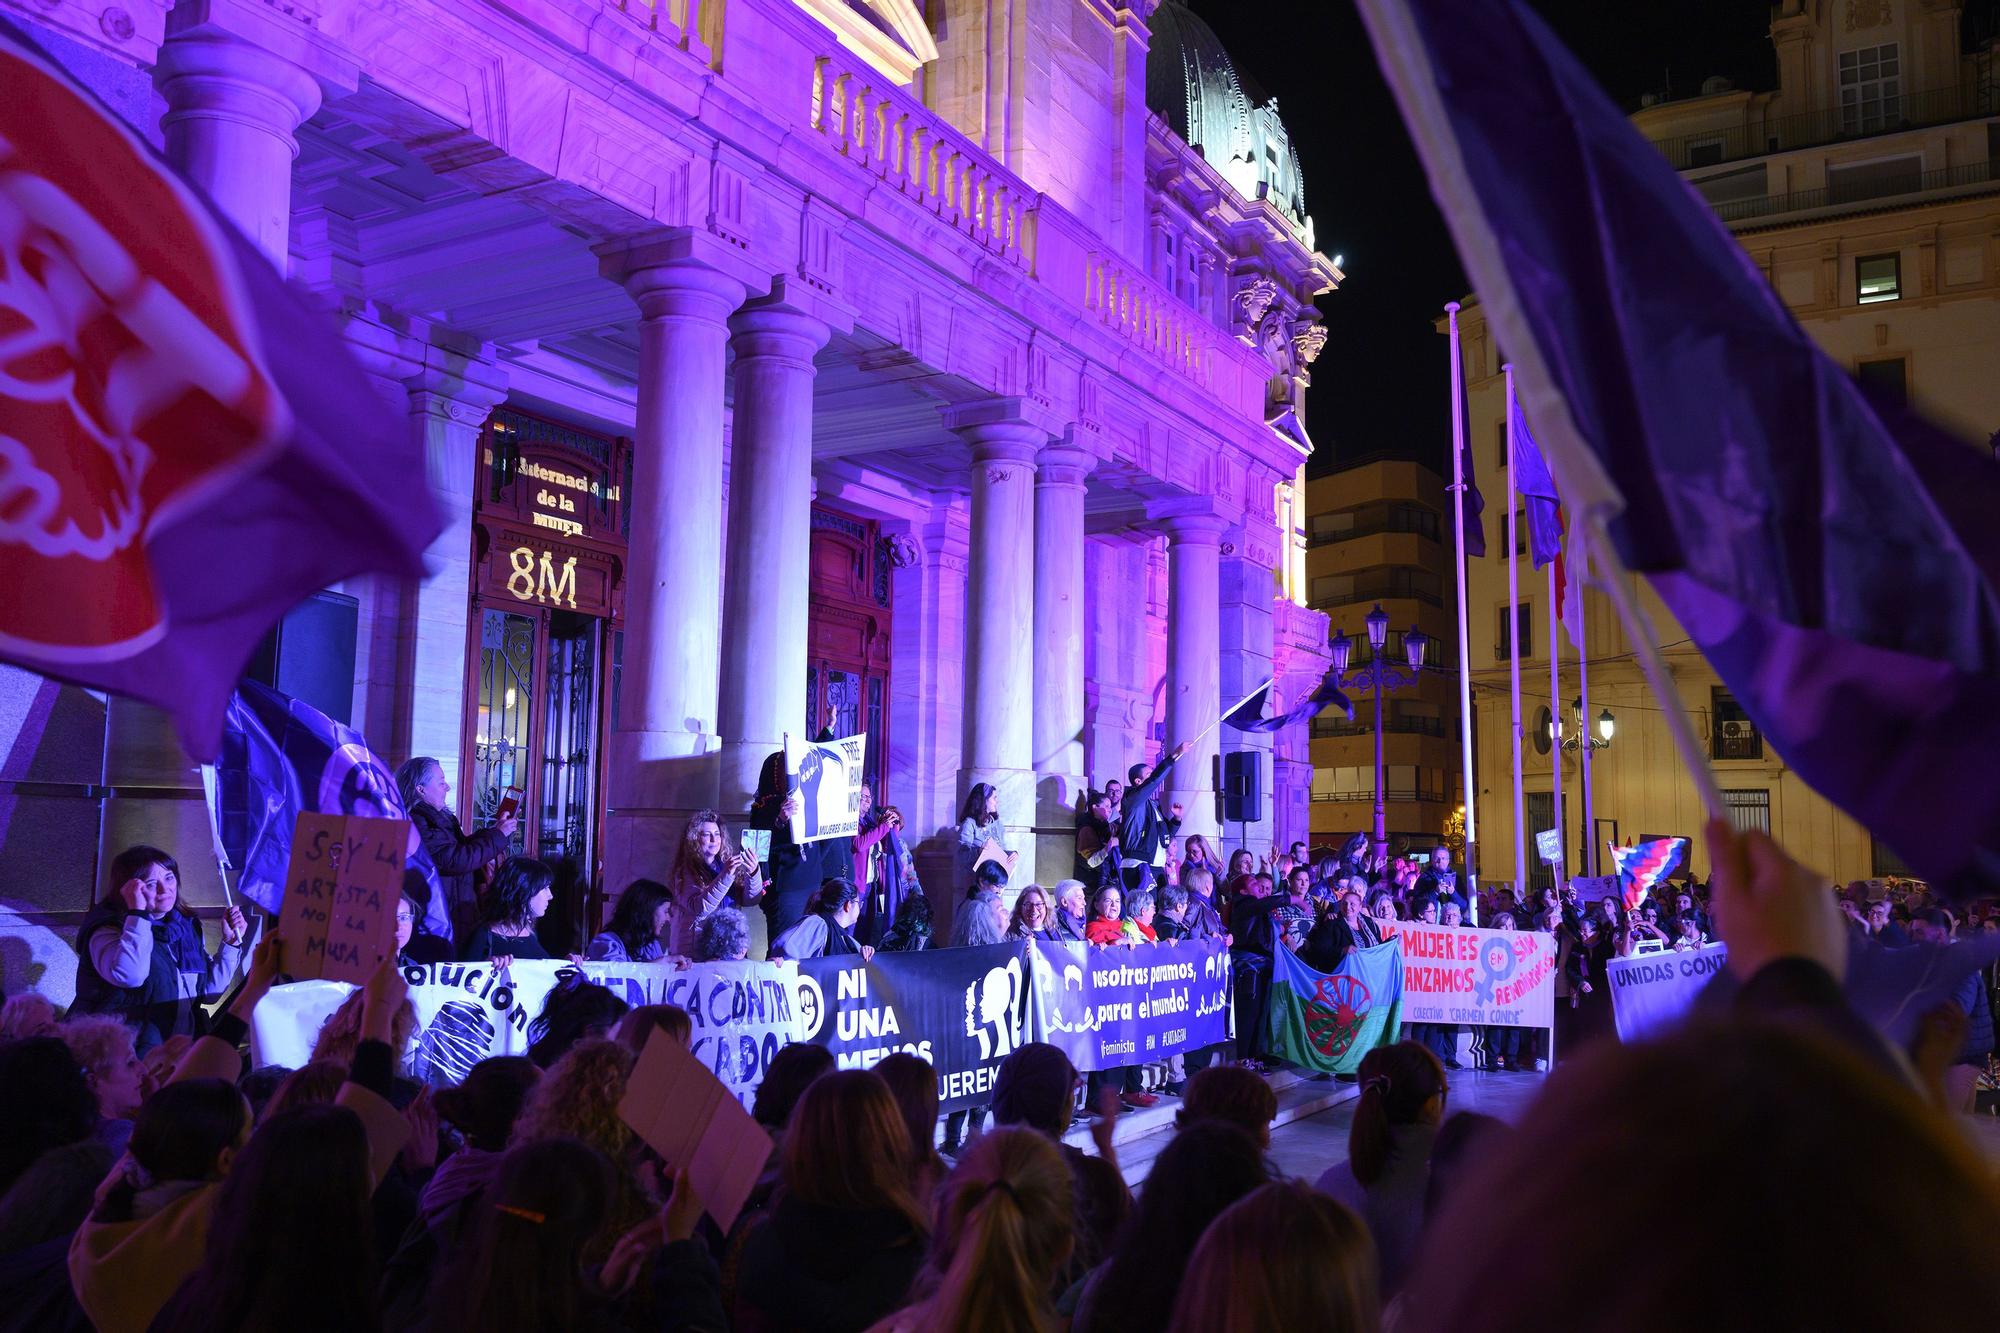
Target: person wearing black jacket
<point>458,855</point>
<point>796,869</point>
<point>1143,831</point>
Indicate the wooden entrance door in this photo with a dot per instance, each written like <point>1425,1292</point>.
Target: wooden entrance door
<point>847,635</point>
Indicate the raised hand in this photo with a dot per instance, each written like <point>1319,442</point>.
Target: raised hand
<point>234,926</point>
<point>507,823</point>
<point>266,963</point>
<point>1768,906</point>
<point>138,895</point>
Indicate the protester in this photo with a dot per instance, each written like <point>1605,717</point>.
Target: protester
<point>913,1082</point>
<point>1143,832</point>
<point>140,953</point>
<point>1036,1087</point>
<point>1207,1167</point>
<point>706,873</point>
<point>1462,1141</point>
<point>578,1098</point>
<point>1106,926</point>
<point>794,869</point>
<point>981,919</point>
<point>827,930</point>
<point>340,1036</point>
<point>1004,1236</point>
<point>1233,1095</point>
<point>894,882</point>
<point>796,1067</point>
<point>576,1009</point>
<point>1032,919</point>
<point>45,1102</point>
<point>1070,923</point>
<point>458,856</point>
<point>38,1216</point>
<point>102,1048</point>
<point>845,1235</point>
<point>520,895</point>
<point>416,946</point>
<point>913,926</point>
<point>639,925</point>
<point>1389,1152</point>
<point>722,937</point>
<point>1284,1257</point>
<point>482,1110</point>
<point>1096,858</point>
<point>636,1029</point>
<point>27,1015</point>
<point>979,823</point>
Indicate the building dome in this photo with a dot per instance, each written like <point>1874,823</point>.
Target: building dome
<point>1192,84</point>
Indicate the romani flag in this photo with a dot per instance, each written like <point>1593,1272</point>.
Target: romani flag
<point>1644,865</point>
<point>1327,1022</point>
<point>186,448</point>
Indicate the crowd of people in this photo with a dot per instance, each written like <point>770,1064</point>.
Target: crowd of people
<point>153,1179</point>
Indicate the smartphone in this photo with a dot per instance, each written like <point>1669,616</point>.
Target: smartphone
<point>510,804</point>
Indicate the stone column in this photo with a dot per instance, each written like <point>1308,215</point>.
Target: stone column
<point>1058,656</point>
<point>1244,659</point>
<point>770,526</point>
<point>231,111</point>
<point>665,738</point>
<point>1193,665</point>
<point>1000,615</point>
<point>450,399</point>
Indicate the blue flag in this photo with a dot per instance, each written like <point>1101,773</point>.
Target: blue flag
<point>1538,490</point>
<point>282,758</point>
<point>1249,715</point>
<point>1834,559</point>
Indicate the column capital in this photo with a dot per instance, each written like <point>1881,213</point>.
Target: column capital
<point>459,389</point>
<point>1191,526</point>
<point>209,76</point>
<point>1063,466</point>
<point>679,289</point>
<point>773,329</point>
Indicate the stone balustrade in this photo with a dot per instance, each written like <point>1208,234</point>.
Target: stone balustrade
<point>1140,309</point>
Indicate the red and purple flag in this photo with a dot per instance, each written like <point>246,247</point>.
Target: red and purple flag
<point>1644,865</point>
<point>1836,560</point>
<point>186,449</point>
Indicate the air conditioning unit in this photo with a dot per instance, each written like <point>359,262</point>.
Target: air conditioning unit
<point>1734,730</point>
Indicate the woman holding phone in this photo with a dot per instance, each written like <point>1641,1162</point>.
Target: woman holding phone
<point>707,873</point>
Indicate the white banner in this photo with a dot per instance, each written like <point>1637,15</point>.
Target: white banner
<point>830,781</point>
<point>1462,974</point>
<point>1650,995</point>
<point>741,1012</point>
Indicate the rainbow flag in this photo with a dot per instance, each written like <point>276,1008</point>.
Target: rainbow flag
<point>1645,864</point>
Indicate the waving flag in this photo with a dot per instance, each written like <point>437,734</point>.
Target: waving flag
<point>1248,715</point>
<point>1644,865</point>
<point>1835,560</point>
<point>282,758</point>
<point>1541,505</point>
<point>186,449</point>
<point>1328,1021</point>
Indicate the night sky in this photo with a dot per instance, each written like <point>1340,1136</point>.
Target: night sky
<point>1379,385</point>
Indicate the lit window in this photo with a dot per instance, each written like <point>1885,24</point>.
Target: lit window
<point>1878,278</point>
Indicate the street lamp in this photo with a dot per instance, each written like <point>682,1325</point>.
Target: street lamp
<point>1577,736</point>
<point>1379,679</point>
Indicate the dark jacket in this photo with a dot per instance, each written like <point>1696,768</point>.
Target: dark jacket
<point>1141,826</point>
<point>1327,944</point>
<point>825,1270</point>
<point>795,871</point>
<point>160,1006</point>
<point>458,855</point>
<point>481,944</point>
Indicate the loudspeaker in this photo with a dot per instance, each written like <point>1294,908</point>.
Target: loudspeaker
<point>310,654</point>
<point>1243,786</point>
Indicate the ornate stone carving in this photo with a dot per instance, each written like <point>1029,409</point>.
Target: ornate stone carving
<point>1307,340</point>
<point>117,24</point>
<point>902,550</point>
<point>1255,298</point>
<point>1867,14</point>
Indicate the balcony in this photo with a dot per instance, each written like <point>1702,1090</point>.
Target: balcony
<point>1421,791</point>
<point>1872,193</point>
<point>1384,587</point>
<point>1422,522</point>
<point>1816,129</point>
<point>1324,727</point>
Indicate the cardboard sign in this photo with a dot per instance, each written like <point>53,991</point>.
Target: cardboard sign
<point>690,1119</point>
<point>993,852</point>
<point>1591,888</point>
<point>830,782</point>
<point>338,918</point>
<point>1549,845</point>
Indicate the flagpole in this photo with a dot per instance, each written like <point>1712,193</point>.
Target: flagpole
<point>1560,868</point>
<point>1459,426</point>
<point>1646,647</point>
<point>1580,557</point>
<point>1514,644</point>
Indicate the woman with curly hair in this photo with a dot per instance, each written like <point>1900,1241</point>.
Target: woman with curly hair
<point>706,874</point>
<point>578,1099</point>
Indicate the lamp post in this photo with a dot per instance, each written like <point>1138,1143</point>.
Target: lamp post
<point>1579,739</point>
<point>1379,679</point>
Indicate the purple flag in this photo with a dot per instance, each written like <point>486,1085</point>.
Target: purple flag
<point>1834,560</point>
<point>1543,508</point>
<point>186,449</point>
<point>1474,529</point>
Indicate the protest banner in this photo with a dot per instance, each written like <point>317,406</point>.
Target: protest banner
<point>686,1115</point>
<point>1328,1021</point>
<point>1594,888</point>
<point>1109,1007</point>
<point>830,781</point>
<point>345,877</point>
<point>1549,845</point>
<point>1651,994</point>
<point>964,1010</point>
<point>1463,974</point>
